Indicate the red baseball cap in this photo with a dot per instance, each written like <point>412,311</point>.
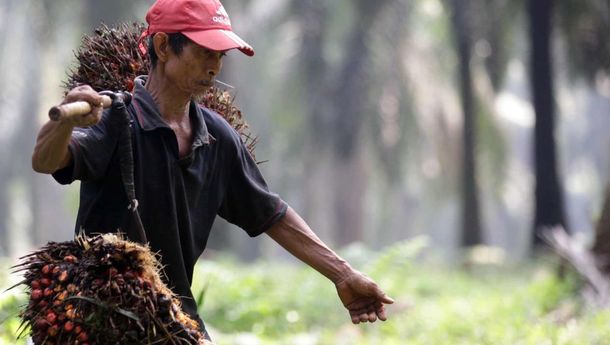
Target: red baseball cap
<point>205,22</point>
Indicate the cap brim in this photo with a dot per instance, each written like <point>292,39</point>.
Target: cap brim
<point>220,40</point>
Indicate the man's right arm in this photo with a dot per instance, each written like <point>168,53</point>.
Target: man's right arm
<point>51,152</point>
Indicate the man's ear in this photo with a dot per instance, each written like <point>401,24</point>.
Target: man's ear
<point>161,45</point>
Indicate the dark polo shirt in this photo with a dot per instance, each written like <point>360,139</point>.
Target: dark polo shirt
<point>179,198</point>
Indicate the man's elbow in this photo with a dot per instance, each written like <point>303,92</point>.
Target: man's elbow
<point>40,167</point>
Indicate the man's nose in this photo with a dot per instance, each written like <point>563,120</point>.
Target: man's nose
<point>213,68</point>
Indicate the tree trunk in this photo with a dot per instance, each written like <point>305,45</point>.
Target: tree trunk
<point>350,105</point>
<point>5,169</point>
<point>341,102</point>
<point>549,201</point>
<point>471,223</point>
<point>29,105</point>
<point>350,108</point>
<point>313,16</point>
<point>314,69</point>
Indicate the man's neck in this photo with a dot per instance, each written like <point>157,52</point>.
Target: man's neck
<point>172,103</point>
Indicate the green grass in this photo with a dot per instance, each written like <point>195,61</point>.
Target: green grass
<point>278,303</point>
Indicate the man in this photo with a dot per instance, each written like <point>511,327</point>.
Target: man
<point>190,165</point>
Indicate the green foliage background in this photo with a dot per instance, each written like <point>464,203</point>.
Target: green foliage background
<point>283,303</point>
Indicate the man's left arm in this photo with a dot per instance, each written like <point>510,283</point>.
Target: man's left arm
<point>359,294</point>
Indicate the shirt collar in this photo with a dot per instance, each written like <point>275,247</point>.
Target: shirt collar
<point>150,118</point>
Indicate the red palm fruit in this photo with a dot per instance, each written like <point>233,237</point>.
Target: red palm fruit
<point>35,284</point>
<point>70,258</point>
<point>68,326</point>
<point>41,325</point>
<point>63,276</point>
<point>48,292</point>
<point>83,336</point>
<point>45,282</point>
<point>36,294</point>
<point>46,269</point>
<point>51,317</point>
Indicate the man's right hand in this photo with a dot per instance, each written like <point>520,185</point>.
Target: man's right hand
<point>363,299</point>
<point>51,151</point>
<point>87,94</point>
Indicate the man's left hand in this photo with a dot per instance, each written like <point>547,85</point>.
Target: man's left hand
<point>363,298</point>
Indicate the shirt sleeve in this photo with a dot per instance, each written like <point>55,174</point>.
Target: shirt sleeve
<point>248,203</point>
<point>92,149</point>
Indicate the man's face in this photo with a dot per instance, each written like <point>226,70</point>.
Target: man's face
<point>194,69</point>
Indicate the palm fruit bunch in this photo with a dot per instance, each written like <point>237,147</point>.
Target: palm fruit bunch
<point>110,60</point>
<point>101,290</point>
<point>221,102</point>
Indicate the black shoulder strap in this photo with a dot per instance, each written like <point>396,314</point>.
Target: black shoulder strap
<point>119,109</point>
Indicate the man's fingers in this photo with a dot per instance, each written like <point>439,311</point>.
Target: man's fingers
<point>381,313</point>
<point>97,111</point>
<point>386,299</point>
<point>375,292</point>
<point>372,316</point>
<point>91,118</point>
<point>84,93</point>
<point>359,312</point>
<point>364,299</point>
<point>382,296</point>
<point>371,313</point>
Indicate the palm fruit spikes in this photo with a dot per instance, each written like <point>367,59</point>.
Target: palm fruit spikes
<point>110,60</point>
<point>101,290</point>
<point>221,102</point>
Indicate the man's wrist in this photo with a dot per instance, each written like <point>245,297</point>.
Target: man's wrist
<point>342,272</point>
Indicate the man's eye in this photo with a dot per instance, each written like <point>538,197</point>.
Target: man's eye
<point>212,53</point>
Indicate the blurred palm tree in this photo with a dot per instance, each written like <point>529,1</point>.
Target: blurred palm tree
<point>549,207</point>
<point>338,95</point>
<point>471,232</point>
<point>585,28</point>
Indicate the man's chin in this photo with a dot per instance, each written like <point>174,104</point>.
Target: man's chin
<point>200,92</point>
